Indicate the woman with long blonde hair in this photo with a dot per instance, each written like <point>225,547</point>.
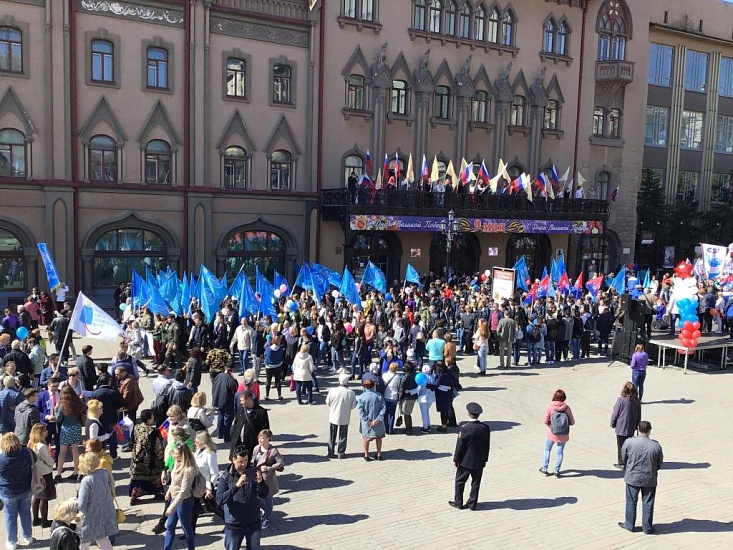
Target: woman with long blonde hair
<point>180,496</point>
<point>44,461</point>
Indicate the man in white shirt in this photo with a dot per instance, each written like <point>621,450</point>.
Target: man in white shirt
<point>243,340</point>
<point>341,401</point>
<point>61,296</point>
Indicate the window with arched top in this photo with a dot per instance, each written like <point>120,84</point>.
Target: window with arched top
<point>281,170</point>
<point>399,97</point>
<point>603,185</point>
<point>157,161</point>
<point>102,159</point>
<point>353,168</point>
<point>464,22</point>
<point>449,25</point>
<point>518,112</point>
<point>507,29</point>
<point>614,123</point>
<point>247,249</point>
<point>11,50</point>
<point>492,31</point>
<point>612,29</point>
<point>479,23</point>
<point>418,15</point>
<point>548,41</point>
<point>157,68</point>
<point>599,119</point>
<point>480,107</point>
<point>12,262</point>
<point>561,42</point>
<point>120,252</point>
<point>550,121</point>
<point>12,153</point>
<point>103,61</point>
<point>281,83</point>
<point>235,167</point>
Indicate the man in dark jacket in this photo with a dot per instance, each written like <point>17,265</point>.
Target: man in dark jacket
<point>87,372</point>
<point>470,457</point>
<point>112,402</point>
<point>23,364</point>
<point>238,494</point>
<point>250,420</point>
<point>222,397</point>
<point>27,415</point>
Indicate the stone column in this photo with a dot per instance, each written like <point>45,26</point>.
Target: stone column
<point>463,117</point>
<point>423,93</point>
<point>705,185</point>
<point>379,123</point>
<point>675,122</point>
<point>535,136</point>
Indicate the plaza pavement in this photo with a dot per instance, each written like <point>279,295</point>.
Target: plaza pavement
<point>401,503</point>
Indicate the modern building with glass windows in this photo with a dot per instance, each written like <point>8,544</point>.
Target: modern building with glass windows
<point>171,133</point>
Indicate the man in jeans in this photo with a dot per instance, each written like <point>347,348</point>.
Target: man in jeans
<point>642,458</point>
<point>238,494</point>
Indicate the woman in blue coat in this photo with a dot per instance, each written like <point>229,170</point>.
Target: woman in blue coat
<point>372,408</point>
<point>443,393</point>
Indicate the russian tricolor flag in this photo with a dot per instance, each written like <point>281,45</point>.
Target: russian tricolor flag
<point>614,194</point>
<point>385,168</point>
<point>368,163</point>
<point>396,169</point>
<point>424,174</point>
<point>483,171</point>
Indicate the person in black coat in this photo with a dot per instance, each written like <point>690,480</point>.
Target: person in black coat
<point>250,420</point>
<point>112,402</point>
<point>470,457</point>
<point>222,397</point>
<point>87,372</point>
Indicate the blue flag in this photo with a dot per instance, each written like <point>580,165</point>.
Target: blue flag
<point>619,281</point>
<point>140,291</point>
<point>412,276</point>
<point>522,273</point>
<point>185,295</point>
<point>374,277</point>
<point>51,272</point>
<point>646,280</point>
<point>236,289</point>
<point>279,282</point>
<point>266,292</point>
<point>195,287</point>
<point>348,288</point>
<point>211,293</point>
<point>333,277</point>
<point>157,304</point>
<point>247,301</point>
<point>320,284</point>
<point>303,280</point>
<point>150,278</point>
<point>169,289</point>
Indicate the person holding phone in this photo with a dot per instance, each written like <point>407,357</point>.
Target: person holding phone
<point>238,493</point>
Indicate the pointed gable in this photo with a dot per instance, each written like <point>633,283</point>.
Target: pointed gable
<point>400,69</point>
<point>553,89</point>
<point>357,60</point>
<point>482,82</point>
<point>444,76</point>
<point>519,86</point>
<point>102,112</point>
<point>158,117</point>
<point>10,105</point>
<point>282,132</point>
<point>235,127</point>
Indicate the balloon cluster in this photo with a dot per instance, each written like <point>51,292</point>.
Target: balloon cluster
<point>690,325</point>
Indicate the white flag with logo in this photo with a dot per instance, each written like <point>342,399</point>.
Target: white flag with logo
<point>90,320</point>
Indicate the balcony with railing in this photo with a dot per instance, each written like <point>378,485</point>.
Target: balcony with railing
<point>290,9</point>
<point>621,72</point>
<point>339,204</point>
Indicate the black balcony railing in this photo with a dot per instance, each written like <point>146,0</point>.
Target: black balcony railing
<point>337,204</point>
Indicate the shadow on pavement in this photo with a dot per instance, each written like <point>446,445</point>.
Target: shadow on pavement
<point>498,425</point>
<point>689,525</point>
<point>476,388</point>
<point>603,474</point>
<point>402,454</point>
<point>527,503</point>
<point>298,444</point>
<point>295,524</point>
<point>293,458</point>
<point>680,401</point>
<point>294,483</point>
<point>685,465</point>
<point>516,373</point>
<point>294,437</point>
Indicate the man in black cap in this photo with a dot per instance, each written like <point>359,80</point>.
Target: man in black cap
<point>470,457</point>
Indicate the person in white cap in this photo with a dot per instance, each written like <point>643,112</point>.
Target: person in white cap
<point>341,401</point>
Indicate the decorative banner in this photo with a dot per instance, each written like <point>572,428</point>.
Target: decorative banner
<point>53,276</point>
<point>502,283</point>
<point>669,256</point>
<point>377,222</point>
<point>713,257</point>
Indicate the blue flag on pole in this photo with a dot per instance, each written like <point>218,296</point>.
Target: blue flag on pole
<point>646,280</point>
<point>247,301</point>
<point>333,277</point>
<point>185,295</point>
<point>319,282</point>
<point>522,273</point>
<point>303,280</point>
<point>140,291</point>
<point>157,304</point>
<point>348,288</point>
<point>236,289</point>
<point>374,277</point>
<point>51,272</point>
<point>412,276</point>
<point>266,292</point>
<point>619,281</point>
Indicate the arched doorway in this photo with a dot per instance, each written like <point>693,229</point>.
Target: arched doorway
<point>12,262</point>
<point>597,254</point>
<point>120,252</point>
<point>465,253</point>
<point>246,249</point>
<point>382,248</point>
<point>535,248</point>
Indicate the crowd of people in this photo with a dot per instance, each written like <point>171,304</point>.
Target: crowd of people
<point>402,346</point>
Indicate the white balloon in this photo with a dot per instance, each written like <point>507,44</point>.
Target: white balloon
<point>277,293</point>
<point>335,294</point>
<point>487,272</point>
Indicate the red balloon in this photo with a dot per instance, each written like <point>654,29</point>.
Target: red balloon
<point>693,343</point>
<point>685,333</point>
<point>684,270</point>
<point>685,342</point>
<point>681,351</point>
<point>696,335</point>
<point>696,324</point>
<point>483,276</point>
<point>687,325</point>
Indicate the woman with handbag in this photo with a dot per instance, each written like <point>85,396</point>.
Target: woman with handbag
<point>268,460</point>
<point>180,496</point>
<point>44,465</point>
<point>205,456</point>
<point>96,503</point>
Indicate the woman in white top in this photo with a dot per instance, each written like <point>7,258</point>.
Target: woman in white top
<point>74,383</point>
<point>205,455</point>
<point>303,368</point>
<point>392,381</point>
<point>198,417</point>
<point>44,461</point>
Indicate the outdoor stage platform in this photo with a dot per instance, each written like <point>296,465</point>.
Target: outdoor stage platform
<point>706,343</point>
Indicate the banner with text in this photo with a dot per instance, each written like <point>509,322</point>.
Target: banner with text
<point>378,222</point>
<point>502,283</point>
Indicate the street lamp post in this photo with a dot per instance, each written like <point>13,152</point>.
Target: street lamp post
<point>449,228</point>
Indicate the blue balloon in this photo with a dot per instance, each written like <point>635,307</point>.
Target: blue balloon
<point>21,333</point>
<point>293,306</point>
<point>421,379</point>
<point>388,297</point>
<point>123,306</point>
<point>475,287</point>
<point>310,330</point>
